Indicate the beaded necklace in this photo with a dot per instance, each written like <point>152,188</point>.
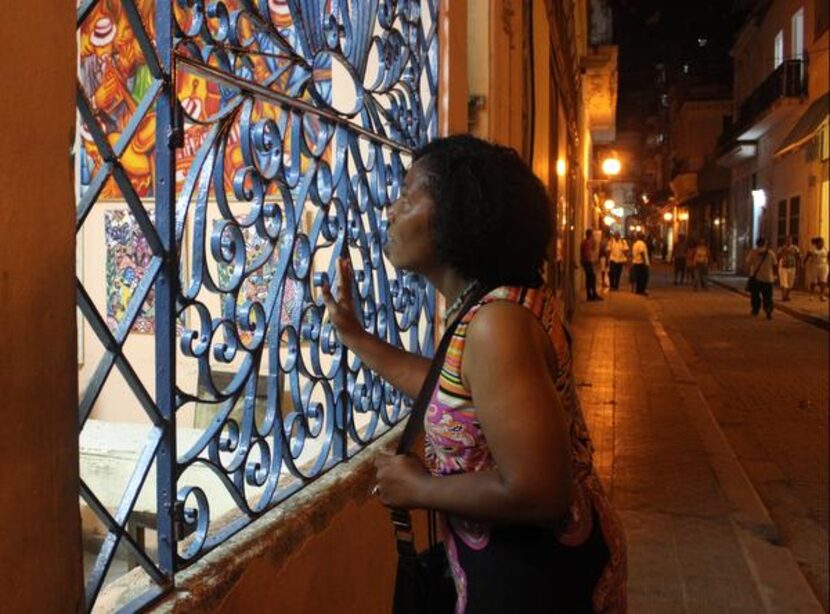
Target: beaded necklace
<point>459,301</point>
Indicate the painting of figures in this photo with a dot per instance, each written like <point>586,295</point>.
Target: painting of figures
<point>128,256</point>
<point>256,285</point>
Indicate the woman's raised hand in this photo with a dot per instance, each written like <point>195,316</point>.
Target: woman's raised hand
<point>342,309</point>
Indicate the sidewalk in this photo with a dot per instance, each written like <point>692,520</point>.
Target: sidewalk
<point>799,305</point>
<point>700,539</point>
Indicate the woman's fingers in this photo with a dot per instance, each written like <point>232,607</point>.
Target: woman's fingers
<point>345,276</point>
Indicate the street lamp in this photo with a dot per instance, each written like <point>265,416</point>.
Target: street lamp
<point>668,216</point>
<point>609,219</point>
<point>611,166</point>
<point>609,204</point>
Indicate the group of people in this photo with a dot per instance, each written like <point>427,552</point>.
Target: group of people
<point>691,259</point>
<point>610,257</point>
<point>763,261</point>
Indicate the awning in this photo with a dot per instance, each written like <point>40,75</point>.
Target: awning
<point>806,127</point>
<point>699,198</point>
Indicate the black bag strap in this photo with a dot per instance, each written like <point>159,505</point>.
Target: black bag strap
<point>401,519</point>
<point>758,268</point>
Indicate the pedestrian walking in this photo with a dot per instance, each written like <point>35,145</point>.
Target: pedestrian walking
<point>508,459</point>
<point>603,262</point>
<point>816,267</point>
<point>691,249</point>
<point>618,257</point>
<point>788,257</point>
<point>678,256</point>
<point>587,258</point>
<point>640,264</point>
<point>761,262</point>
<point>702,260</point>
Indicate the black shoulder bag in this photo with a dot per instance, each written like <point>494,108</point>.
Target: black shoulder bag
<point>423,583</point>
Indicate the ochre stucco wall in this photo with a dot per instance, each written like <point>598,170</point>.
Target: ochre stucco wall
<point>349,567</point>
<point>40,563</point>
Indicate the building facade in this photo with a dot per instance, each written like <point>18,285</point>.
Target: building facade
<point>775,146</point>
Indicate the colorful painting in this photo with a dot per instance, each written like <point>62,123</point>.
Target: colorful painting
<point>115,78</point>
<point>128,256</point>
<point>255,287</point>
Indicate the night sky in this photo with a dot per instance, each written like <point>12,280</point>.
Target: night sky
<point>690,39</point>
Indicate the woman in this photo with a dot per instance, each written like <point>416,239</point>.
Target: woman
<point>691,250</point>
<point>701,261</point>
<point>603,262</point>
<point>816,266</point>
<point>526,524</point>
<point>761,263</point>
<point>788,257</point>
<point>618,255</point>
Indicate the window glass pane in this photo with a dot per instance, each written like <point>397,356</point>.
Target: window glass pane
<point>797,34</point>
<point>782,221</point>
<point>778,52</point>
<point>795,214</point>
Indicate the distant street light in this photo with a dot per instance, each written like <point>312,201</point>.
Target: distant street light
<point>683,216</point>
<point>611,166</point>
<point>609,219</point>
<point>561,167</point>
<point>668,216</point>
<point>609,204</point>
<point>618,211</point>
<point>717,221</point>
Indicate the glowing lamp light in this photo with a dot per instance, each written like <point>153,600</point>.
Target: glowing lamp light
<point>759,199</point>
<point>609,204</point>
<point>668,216</point>
<point>683,216</point>
<point>618,211</point>
<point>638,228</point>
<point>561,167</point>
<point>611,166</point>
<point>609,219</point>
<point>717,221</point>
<point>645,199</point>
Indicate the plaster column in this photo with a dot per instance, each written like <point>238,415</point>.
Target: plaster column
<point>40,537</point>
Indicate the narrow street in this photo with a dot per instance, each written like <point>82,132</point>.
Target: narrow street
<point>711,433</point>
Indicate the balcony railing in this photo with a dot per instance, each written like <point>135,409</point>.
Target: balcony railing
<point>789,80</point>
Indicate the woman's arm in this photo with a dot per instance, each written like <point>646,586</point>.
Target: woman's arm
<point>404,370</point>
<point>506,364</point>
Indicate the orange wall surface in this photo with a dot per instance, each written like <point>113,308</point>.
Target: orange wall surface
<point>40,549</point>
<point>349,567</point>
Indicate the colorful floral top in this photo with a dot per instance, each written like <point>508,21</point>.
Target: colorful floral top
<point>455,443</point>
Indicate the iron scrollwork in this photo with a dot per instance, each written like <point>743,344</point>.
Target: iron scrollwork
<point>271,135</point>
<point>309,111</point>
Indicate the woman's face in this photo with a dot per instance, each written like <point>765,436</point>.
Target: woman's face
<point>409,245</point>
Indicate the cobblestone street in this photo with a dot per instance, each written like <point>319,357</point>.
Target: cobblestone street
<point>711,433</point>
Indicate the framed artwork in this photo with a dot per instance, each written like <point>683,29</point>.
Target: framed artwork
<point>256,285</point>
<point>128,256</point>
<point>79,273</point>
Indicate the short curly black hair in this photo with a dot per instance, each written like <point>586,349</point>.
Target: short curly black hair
<point>492,220</point>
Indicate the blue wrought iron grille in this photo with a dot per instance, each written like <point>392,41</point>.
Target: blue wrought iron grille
<point>228,153</point>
